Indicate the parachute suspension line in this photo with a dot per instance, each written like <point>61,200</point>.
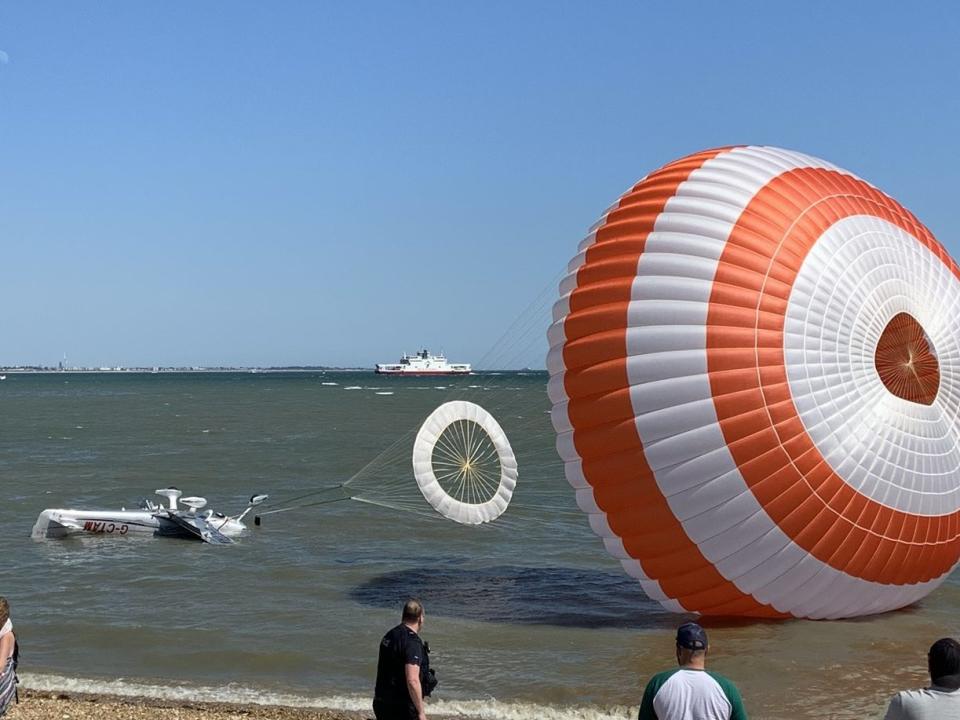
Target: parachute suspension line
<point>520,330</point>
<point>504,525</point>
<point>552,508</point>
<point>317,491</point>
<point>396,506</point>
<point>511,351</point>
<point>304,505</point>
<point>392,448</point>
<point>389,455</point>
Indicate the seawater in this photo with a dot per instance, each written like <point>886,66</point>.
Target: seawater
<point>527,617</point>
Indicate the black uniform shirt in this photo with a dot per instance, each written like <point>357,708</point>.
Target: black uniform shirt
<point>399,647</point>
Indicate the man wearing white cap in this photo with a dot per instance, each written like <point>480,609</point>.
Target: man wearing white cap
<point>690,691</point>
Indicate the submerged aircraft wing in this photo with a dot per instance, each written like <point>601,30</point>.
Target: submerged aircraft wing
<point>199,528</point>
<point>51,523</point>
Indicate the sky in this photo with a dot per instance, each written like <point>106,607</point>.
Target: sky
<point>306,183</point>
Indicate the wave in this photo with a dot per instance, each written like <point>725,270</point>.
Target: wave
<point>488,709</point>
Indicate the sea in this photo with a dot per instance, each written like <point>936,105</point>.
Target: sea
<point>526,616</point>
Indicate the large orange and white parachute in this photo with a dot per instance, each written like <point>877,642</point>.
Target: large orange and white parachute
<point>755,377</point>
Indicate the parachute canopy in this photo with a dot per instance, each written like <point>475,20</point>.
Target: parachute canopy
<point>464,464</point>
<point>755,377</point>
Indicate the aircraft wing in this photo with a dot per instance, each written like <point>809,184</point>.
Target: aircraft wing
<point>199,528</point>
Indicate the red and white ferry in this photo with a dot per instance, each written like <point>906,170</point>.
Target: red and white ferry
<point>423,363</point>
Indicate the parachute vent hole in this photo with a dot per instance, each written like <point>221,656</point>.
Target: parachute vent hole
<point>906,361</point>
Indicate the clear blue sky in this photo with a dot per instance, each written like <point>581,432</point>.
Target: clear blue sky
<point>254,183</point>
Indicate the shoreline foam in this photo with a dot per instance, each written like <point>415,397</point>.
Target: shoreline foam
<point>46,696</point>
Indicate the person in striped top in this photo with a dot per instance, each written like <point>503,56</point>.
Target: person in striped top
<point>690,691</point>
<point>8,658</point>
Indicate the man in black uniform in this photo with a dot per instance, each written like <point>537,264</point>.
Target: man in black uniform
<point>398,694</point>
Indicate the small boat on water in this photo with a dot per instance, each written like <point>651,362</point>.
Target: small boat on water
<point>189,522</point>
<point>423,363</point>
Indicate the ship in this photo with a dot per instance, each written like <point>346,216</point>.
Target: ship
<point>423,363</point>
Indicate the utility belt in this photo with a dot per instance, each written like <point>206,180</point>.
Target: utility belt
<point>428,678</point>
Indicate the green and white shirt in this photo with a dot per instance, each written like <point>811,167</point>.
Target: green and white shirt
<point>682,694</point>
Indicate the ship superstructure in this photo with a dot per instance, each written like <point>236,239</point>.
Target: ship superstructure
<point>423,363</point>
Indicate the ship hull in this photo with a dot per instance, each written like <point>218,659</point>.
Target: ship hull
<point>421,364</point>
<point>422,373</point>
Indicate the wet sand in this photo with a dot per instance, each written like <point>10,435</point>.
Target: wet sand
<point>40,705</point>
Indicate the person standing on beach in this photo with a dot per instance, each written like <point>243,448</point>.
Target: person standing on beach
<point>940,701</point>
<point>690,691</point>
<point>398,694</point>
<point>8,658</point>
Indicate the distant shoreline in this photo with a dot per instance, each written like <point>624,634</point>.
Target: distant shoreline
<point>20,370</point>
<point>186,370</point>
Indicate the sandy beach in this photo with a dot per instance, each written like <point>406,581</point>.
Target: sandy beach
<point>40,705</point>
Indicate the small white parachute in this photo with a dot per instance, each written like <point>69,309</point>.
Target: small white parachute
<point>464,464</point>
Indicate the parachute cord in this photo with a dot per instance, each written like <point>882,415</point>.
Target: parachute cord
<point>305,505</point>
<point>390,448</point>
<point>505,523</point>
<point>550,508</point>
<point>308,494</point>
<point>393,506</point>
<point>522,324</point>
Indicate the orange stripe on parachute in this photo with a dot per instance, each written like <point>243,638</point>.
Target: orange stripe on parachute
<point>600,411</point>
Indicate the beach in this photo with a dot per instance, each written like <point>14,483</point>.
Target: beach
<point>40,705</point>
